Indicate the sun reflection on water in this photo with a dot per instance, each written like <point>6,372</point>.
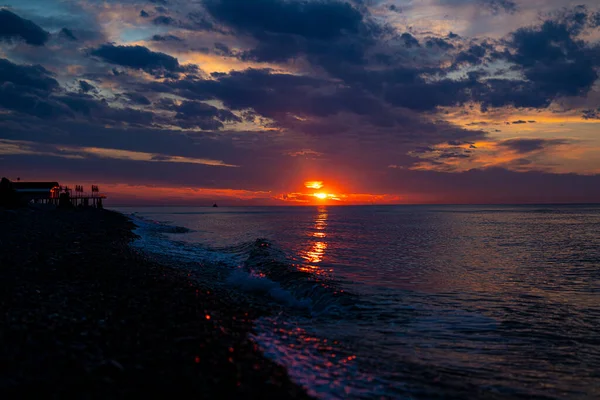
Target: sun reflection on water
<point>316,252</point>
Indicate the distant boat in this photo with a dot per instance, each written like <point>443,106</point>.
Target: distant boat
<point>215,205</point>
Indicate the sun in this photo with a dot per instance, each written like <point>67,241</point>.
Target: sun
<point>321,196</point>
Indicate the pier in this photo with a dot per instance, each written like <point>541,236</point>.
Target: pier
<point>51,193</point>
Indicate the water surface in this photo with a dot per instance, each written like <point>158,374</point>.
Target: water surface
<point>411,302</point>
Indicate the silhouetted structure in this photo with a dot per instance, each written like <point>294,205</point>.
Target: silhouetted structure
<point>34,191</point>
<point>14,194</point>
<point>8,196</point>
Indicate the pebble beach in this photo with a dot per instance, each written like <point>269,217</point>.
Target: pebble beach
<point>85,315</point>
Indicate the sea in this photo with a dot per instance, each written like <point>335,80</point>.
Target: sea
<point>406,302</point>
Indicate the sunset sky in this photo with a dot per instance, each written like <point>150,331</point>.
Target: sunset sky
<point>304,102</point>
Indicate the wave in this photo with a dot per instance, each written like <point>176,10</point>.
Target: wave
<point>156,226</point>
<point>255,283</point>
<point>323,293</point>
<point>257,268</point>
<point>546,211</point>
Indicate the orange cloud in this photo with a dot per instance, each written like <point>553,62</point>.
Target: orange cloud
<point>313,184</point>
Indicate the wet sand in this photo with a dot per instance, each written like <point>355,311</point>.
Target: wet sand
<point>85,315</point>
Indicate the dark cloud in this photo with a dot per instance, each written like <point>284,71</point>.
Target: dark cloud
<point>498,6</point>
<point>524,146</point>
<point>29,101</point>
<point>312,19</point>
<point>502,92</point>
<point>166,38</point>
<point>591,114</point>
<point>32,90</point>
<point>423,96</point>
<point>68,34</point>
<point>266,92</point>
<point>199,22</point>
<point>438,42</point>
<point>137,57</point>
<point>202,115</point>
<point>33,77</point>
<point>494,6</point>
<point>144,14</point>
<point>553,60</point>
<point>223,49</point>
<point>81,104</point>
<point>86,87</point>
<point>163,20</point>
<point>328,33</point>
<point>409,40</point>
<point>12,27</point>
<point>138,98</point>
<point>315,107</point>
<point>595,19</point>
<point>27,89</point>
<point>474,55</point>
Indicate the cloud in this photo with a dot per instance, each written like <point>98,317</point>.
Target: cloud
<point>34,77</point>
<point>32,90</point>
<point>202,115</point>
<point>166,38</point>
<point>86,87</point>
<point>27,89</point>
<point>163,20</point>
<point>312,19</point>
<point>67,33</point>
<point>591,114</point>
<point>137,57</point>
<point>137,98</point>
<point>12,147</point>
<point>439,42</point>
<point>326,32</point>
<point>409,40</point>
<point>524,146</point>
<point>12,26</point>
<point>494,6</point>
<point>553,59</point>
<point>474,55</point>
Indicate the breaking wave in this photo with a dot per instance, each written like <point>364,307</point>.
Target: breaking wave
<point>257,268</point>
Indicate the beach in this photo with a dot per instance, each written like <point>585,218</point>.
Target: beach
<point>86,315</point>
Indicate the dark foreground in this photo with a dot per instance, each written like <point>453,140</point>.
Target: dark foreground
<point>84,315</point>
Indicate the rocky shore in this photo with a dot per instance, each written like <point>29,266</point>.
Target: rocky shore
<point>84,315</point>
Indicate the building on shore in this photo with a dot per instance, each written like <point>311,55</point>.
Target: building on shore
<point>14,194</point>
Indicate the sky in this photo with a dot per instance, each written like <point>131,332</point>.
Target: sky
<point>302,102</point>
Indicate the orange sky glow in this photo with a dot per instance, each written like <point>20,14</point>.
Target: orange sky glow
<point>125,194</point>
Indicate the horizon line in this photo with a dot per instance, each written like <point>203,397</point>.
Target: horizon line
<point>367,205</point>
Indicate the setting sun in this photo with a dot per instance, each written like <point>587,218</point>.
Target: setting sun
<point>321,196</point>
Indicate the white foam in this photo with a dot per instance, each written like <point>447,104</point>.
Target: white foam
<point>255,283</point>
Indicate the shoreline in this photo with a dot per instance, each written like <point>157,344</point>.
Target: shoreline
<point>84,314</point>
